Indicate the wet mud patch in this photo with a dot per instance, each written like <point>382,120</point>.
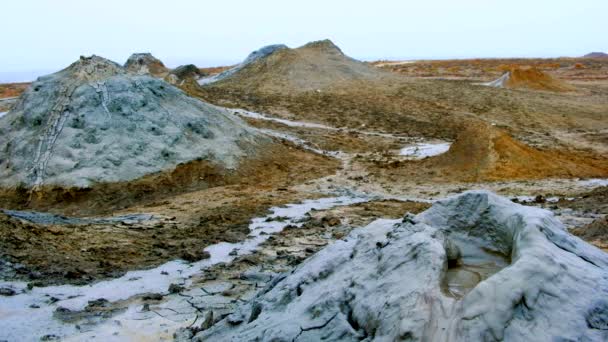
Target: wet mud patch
<point>81,252</point>
<point>469,263</point>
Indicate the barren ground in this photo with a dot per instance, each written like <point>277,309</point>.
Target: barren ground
<point>540,145</point>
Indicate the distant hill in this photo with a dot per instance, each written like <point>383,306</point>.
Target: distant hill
<point>530,78</point>
<point>596,55</point>
<point>96,122</point>
<point>145,63</point>
<point>314,66</point>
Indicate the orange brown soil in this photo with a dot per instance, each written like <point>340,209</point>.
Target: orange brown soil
<point>483,153</point>
<point>533,78</point>
<point>215,70</point>
<point>492,68</point>
<point>12,89</point>
<point>527,134</point>
<point>430,108</point>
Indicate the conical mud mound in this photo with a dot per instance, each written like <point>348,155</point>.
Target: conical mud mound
<point>254,56</point>
<point>314,66</point>
<point>95,123</point>
<point>482,152</point>
<point>475,267</point>
<point>144,64</point>
<point>184,72</point>
<point>529,78</point>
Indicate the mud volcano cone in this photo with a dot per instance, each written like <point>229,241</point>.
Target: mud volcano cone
<point>529,78</point>
<point>94,122</point>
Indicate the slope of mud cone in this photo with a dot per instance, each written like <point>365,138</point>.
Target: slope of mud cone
<point>145,63</point>
<point>93,122</point>
<point>484,153</point>
<point>252,57</point>
<point>187,71</point>
<point>314,66</point>
<point>529,78</point>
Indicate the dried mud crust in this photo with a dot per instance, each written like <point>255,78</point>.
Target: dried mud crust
<point>186,224</point>
<point>195,208</point>
<point>343,140</point>
<point>47,254</point>
<point>223,286</point>
<point>430,108</point>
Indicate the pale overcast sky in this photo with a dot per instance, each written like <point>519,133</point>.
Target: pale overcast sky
<point>43,35</point>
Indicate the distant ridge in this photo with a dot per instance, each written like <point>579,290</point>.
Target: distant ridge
<point>596,55</point>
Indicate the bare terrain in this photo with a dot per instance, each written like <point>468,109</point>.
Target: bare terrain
<point>345,143</point>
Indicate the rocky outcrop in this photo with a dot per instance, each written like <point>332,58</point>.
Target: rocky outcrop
<point>95,122</point>
<point>475,267</point>
<point>144,64</point>
<point>184,72</point>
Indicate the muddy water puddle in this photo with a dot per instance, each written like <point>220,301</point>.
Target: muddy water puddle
<point>476,264</point>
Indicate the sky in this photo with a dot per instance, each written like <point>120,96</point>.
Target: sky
<point>41,36</point>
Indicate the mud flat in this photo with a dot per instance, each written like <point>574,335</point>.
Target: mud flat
<point>46,305</point>
<point>423,150</point>
<point>385,282</point>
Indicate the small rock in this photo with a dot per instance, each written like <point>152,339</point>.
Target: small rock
<point>234,252</point>
<point>330,221</point>
<point>35,275</point>
<point>409,218</point>
<point>152,296</point>
<point>101,302</point>
<point>175,288</point>
<point>193,256</point>
<point>540,199</point>
<point>208,321</point>
<point>7,291</point>
<point>597,317</point>
<point>183,334</point>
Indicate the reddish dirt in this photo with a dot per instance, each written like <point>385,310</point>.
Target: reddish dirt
<point>483,153</point>
<point>533,78</point>
<point>12,89</point>
<point>489,69</point>
<point>215,70</point>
